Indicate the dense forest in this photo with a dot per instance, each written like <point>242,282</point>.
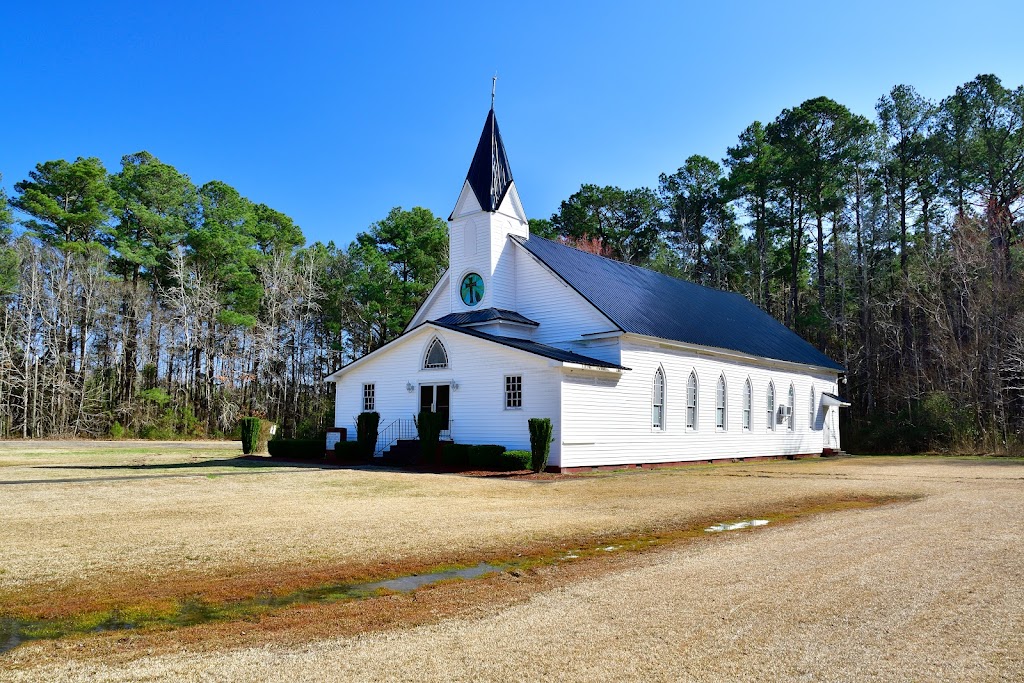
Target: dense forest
<point>137,304</point>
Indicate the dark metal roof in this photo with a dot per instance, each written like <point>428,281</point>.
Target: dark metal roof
<point>642,301</point>
<point>531,347</point>
<point>489,173</point>
<point>485,315</point>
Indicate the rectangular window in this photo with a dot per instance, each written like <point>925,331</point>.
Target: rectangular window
<point>513,391</point>
<point>369,398</point>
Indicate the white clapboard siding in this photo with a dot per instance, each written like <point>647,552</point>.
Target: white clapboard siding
<point>607,422</point>
<point>479,368</point>
<point>562,312</point>
<point>438,304</point>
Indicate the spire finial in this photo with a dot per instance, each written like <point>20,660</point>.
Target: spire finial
<point>494,83</point>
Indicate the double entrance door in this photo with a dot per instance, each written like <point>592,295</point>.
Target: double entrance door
<point>437,398</point>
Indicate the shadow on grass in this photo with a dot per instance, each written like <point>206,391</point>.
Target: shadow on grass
<point>241,461</point>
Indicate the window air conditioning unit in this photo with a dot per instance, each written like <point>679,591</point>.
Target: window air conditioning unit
<point>783,414</point>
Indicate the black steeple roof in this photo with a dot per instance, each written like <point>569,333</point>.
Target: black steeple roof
<point>489,174</point>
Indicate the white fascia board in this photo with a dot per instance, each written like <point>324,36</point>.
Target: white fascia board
<point>589,368</point>
<point>466,204</point>
<point>715,352</point>
<point>441,286</point>
<point>336,375</point>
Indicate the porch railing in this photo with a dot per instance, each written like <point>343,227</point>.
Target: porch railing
<point>402,430</point>
<point>396,431</point>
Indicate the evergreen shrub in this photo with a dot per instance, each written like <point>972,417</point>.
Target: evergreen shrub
<point>367,425</point>
<point>349,451</point>
<point>540,442</point>
<point>486,457</point>
<point>250,434</point>
<point>428,427</point>
<point>518,460</point>
<point>455,455</point>
<point>297,449</point>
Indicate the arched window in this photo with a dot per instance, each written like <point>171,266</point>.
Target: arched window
<point>658,401</point>
<point>748,400</point>
<point>436,356</point>
<point>769,407</point>
<point>789,407</point>
<point>720,403</point>
<point>691,401</point>
<point>812,412</point>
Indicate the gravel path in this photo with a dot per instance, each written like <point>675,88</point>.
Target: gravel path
<point>926,591</point>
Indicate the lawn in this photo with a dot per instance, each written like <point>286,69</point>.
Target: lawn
<point>88,527</point>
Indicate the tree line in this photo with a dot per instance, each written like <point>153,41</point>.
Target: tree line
<point>893,243</point>
<point>136,302</point>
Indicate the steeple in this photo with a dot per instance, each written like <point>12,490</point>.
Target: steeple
<point>489,173</point>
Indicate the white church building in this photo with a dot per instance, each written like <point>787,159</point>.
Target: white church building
<point>633,367</point>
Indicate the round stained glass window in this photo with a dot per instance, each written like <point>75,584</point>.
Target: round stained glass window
<point>472,289</point>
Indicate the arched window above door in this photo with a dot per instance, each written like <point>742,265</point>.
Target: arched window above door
<point>437,356</point>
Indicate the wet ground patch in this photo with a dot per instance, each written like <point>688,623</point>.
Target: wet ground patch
<point>168,613</point>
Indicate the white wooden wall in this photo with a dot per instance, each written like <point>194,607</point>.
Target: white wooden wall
<point>607,422</point>
<point>478,406</point>
<point>563,314</point>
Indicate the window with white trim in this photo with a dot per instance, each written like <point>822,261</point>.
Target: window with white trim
<point>790,417</point>
<point>513,392</point>
<point>748,401</point>
<point>436,356</point>
<point>369,398</point>
<point>691,401</point>
<point>658,401</point>
<point>720,398</point>
<point>769,408</point>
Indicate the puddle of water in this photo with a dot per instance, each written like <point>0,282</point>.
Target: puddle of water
<point>405,584</point>
<point>736,525</point>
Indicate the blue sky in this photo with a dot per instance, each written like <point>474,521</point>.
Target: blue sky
<point>334,112</point>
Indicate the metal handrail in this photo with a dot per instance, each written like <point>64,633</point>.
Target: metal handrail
<point>402,430</point>
<point>398,430</point>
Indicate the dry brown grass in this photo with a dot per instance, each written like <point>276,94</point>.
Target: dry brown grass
<point>929,590</point>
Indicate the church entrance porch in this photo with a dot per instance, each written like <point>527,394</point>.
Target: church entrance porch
<point>437,399</point>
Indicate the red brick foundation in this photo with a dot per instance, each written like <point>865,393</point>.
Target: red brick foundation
<point>677,463</point>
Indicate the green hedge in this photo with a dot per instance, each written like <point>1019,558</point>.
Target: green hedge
<point>518,460</point>
<point>297,449</point>
<point>485,456</point>
<point>490,457</point>
<point>455,455</point>
<point>349,450</point>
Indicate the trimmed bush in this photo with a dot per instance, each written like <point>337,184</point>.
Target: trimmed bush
<point>428,426</point>
<point>518,460</point>
<point>540,442</point>
<point>250,435</point>
<point>485,456</point>
<point>349,451</point>
<point>296,449</point>
<point>455,455</point>
<point>366,432</point>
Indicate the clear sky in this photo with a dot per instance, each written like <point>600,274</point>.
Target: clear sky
<point>335,112</point>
